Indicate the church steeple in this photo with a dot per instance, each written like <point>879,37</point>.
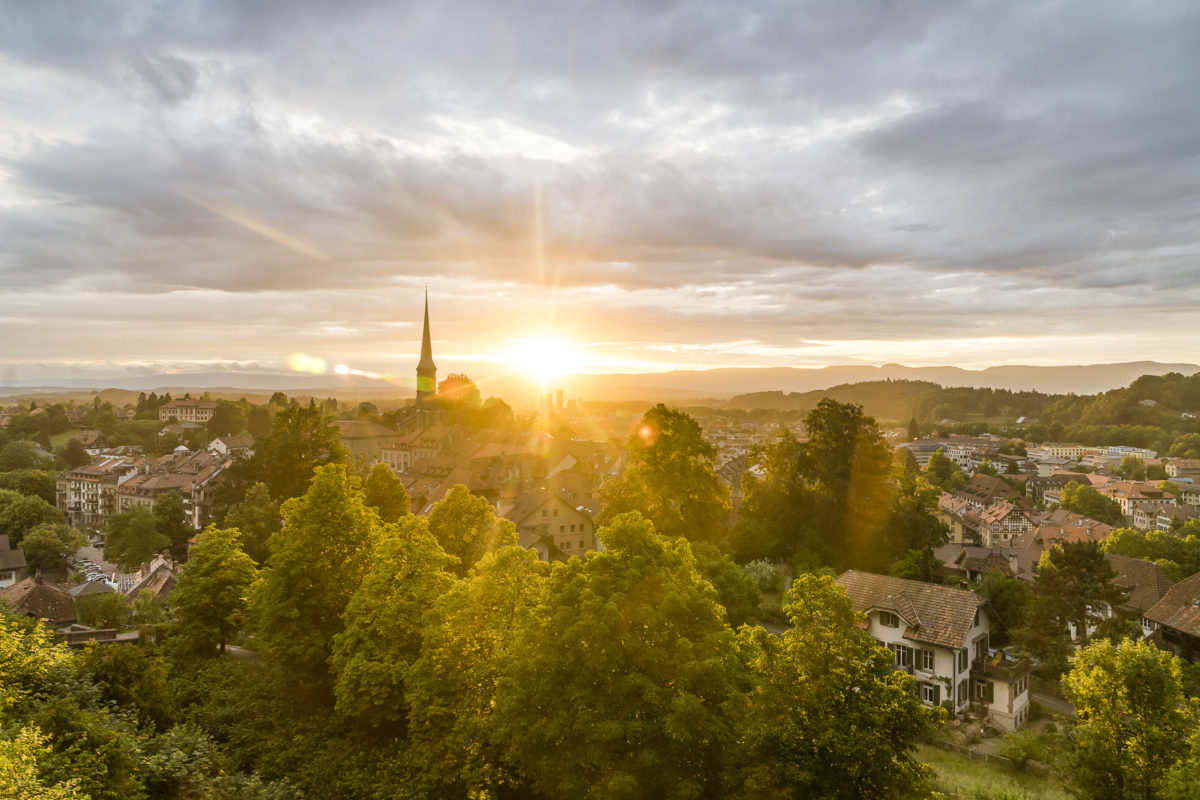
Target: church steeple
<point>426,369</point>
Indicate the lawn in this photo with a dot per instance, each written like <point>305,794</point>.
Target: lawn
<point>965,779</point>
<point>60,439</point>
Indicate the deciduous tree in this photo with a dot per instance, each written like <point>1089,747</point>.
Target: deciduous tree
<point>213,594</point>
<point>47,545</point>
<point>133,538</point>
<point>257,517</point>
<point>385,493</point>
<point>466,527</point>
<point>669,478</point>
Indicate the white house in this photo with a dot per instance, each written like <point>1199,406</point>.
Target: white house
<point>940,635</point>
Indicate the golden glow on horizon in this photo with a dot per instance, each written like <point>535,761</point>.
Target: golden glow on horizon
<point>545,358</point>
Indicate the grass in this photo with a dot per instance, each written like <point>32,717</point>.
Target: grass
<point>960,777</point>
<point>60,439</point>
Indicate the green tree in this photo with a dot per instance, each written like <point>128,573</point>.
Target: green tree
<point>325,547</point>
<point>258,421</point>
<point>1009,599</point>
<point>300,441</point>
<point>1132,468</point>
<point>458,388</point>
<point>385,493</point>
<point>21,513</point>
<point>213,594</point>
<point>466,527</point>
<point>913,430</point>
<point>669,478</point>
<point>107,610</point>
<point>36,482</point>
<point>19,778</point>
<point>943,473</point>
<point>1074,584</point>
<point>75,455</point>
<point>384,621</point>
<point>829,716</point>
<point>20,455</point>
<point>1090,503</point>
<point>456,748</point>
<point>775,518</point>
<point>133,538</point>
<point>1133,721</point>
<point>172,521</point>
<point>1186,446</point>
<point>987,468</point>
<point>630,649</point>
<point>736,591</point>
<point>227,418</point>
<point>257,517</point>
<point>47,545</point>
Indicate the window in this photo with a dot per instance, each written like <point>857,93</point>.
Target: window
<point>924,659</point>
<point>902,654</point>
<point>929,693</point>
<point>572,529</point>
<point>556,512</point>
<point>582,546</point>
<point>562,528</point>
<point>545,512</point>
<point>963,685</point>
<point>566,545</point>
<point>964,660</point>
<point>889,620</point>
<point>984,691</point>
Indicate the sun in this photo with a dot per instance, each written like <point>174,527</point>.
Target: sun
<point>545,358</point>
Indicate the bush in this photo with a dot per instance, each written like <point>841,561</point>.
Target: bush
<point>765,574</point>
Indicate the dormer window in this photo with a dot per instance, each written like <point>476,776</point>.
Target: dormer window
<point>889,620</point>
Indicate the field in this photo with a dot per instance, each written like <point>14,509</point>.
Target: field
<point>962,778</point>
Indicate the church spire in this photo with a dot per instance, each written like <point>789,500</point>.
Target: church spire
<point>426,369</point>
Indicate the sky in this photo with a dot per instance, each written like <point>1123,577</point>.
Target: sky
<point>596,187</point>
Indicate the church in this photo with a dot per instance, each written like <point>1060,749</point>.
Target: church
<point>426,369</point>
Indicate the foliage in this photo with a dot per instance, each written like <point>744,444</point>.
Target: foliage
<point>226,418</point>
<point>19,779</point>
<point>172,521</point>
<point>300,441</point>
<point>765,575</point>
<point>466,527</point>
<point>736,591</point>
<point>630,649</point>
<point>829,717</point>
<point>1133,721</point>
<point>133,537</point>
<point>48,544</point>
<point>324,546</point>
<point>257,518</point>
<point>458,388</point>
<point>383,623</point>
<point>213,593</point>
<point>39,483</point>
<point>385,493</point>
<point>457,750</point>
<point>106,610</point>
<point>1090,503</point>
<point>1178,554</point>
<point>942,473</point>
<point>1132,468</point>
<point>20,513</point>
<point>669,478</point>
<point>21,454</point>
<point>1009,598</point>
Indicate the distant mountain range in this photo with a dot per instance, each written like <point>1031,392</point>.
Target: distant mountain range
<point>674,386</point>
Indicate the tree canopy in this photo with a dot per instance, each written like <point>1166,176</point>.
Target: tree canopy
<point>213,594</point>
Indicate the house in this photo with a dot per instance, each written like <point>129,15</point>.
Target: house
<point>970,562</point>
<point>1169,516</point>
<point>1130,495</point>
<point>1177,616</point>
<point>93,441</point>
<point>12,563</point>
<point>983,491</point>
<point>1145,583</point>
<point>87,494</point>
<point>239,444</point>
<point>940,635</point>
<point>34,597</point>
<point>365,440</point>
<point>187,410</point>
<point>158,577</point>
<point>999,523</point>
<point>551,525</point>
<point>1183,468</point>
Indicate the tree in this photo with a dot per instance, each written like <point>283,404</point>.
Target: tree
<point>737,592</point>
<point>466,527</point>
<point>619,682</point>
<point>1073,585</point>
<point>107,610</point>
<point>1132,468</point>
<point>21,513</point>
<point>829,716</point>
<point>172,521</point>
<point>36,482</point>
<point>325,546</point>
<point>913,430</point>
<point>47,545</point>
<point>133,538</point>
<point>226,418</point>
<point>258,421</point>
<point>1009,599</point>
<point>1133,721</point>
<point>1186,446</point>
<point>20,455</point>
<point>213,594</point>
<point>669,478</point>
<point>384,621</point>
<point>257,517</point>
<point>987,468</point>
<point>300,441</point>
<point>456,748</point>
<point>19,777</point>
<point>75,455</point>
<point>385,493</point>
<point>1090,503</point>
<point>458,388</point>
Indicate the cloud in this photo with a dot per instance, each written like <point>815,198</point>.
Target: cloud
<point>787,172</point>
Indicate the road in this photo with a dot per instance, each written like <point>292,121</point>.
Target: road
<point>1055,704</point>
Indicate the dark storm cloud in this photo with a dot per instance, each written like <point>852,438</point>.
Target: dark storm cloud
<point>826,158</point>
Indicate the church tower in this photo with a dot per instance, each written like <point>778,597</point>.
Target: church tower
<point>426,369</point>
